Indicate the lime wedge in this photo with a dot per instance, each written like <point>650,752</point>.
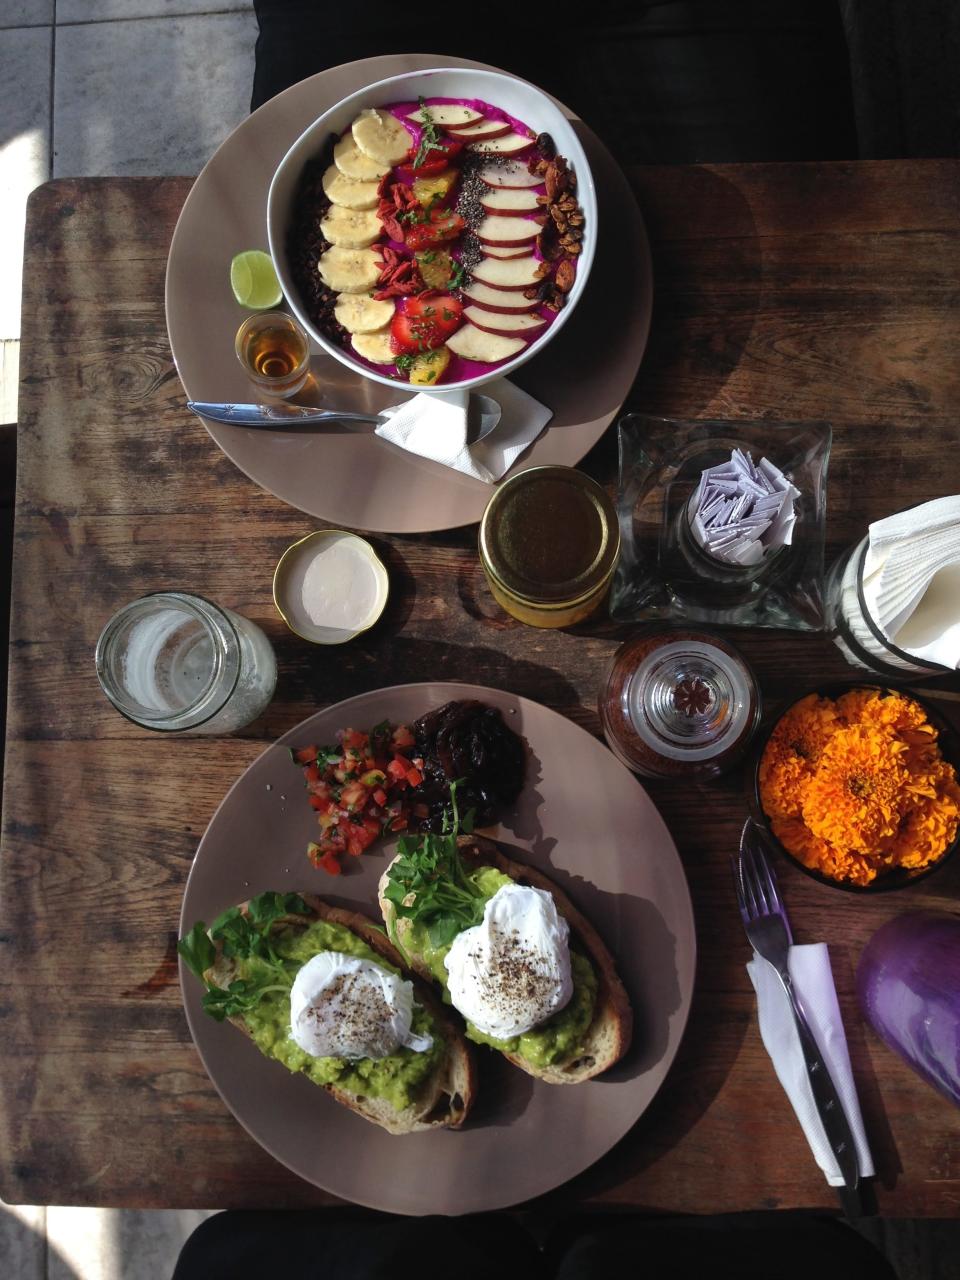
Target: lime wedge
<point>254,281</point>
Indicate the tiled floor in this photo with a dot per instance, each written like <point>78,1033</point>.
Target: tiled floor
<point>97,88</point>
<point>103,87</point>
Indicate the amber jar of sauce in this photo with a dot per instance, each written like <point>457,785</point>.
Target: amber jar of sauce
<point>549,543</point>
<point>678,703</point>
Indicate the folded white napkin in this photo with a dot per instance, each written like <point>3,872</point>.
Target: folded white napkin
<point>911,580</point>
<point>434,425</point>
<point>813,981</point>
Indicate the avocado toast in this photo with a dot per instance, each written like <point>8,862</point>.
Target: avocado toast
<point>582,1039</point>
<point>251,960</point>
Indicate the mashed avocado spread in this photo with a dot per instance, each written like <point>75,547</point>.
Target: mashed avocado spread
<point>554,1040</point>
<point>394,1078</point>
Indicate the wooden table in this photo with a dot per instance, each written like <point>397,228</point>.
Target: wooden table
<point>798,291</point>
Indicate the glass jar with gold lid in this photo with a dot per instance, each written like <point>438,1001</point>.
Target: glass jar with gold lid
<point>549,542</point>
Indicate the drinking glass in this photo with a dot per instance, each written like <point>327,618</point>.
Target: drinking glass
<point>178,663</point>
<point>275,353</point>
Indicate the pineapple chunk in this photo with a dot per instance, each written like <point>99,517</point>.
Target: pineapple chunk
<point>429,190</point>
<point>428,368</point>
<point>436,268</point>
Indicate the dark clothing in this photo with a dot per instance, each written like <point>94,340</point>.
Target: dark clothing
<point>346,1245</point>
<point>706,80</point>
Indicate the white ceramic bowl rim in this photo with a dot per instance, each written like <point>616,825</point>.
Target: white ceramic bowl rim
<point>297,156</point>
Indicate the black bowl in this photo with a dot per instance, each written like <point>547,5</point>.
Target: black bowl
<point>900,877</point>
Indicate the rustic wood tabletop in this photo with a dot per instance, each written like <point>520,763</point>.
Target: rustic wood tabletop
<point>802,291</point>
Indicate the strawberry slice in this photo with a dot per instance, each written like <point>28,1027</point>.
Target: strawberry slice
<point>439,225</point>
<point>436,158</point>
<point>424,323</point>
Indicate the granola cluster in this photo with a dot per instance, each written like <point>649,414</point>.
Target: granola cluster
<point>561,238</point>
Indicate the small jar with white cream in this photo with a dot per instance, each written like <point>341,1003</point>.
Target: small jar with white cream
<point>330,586</point>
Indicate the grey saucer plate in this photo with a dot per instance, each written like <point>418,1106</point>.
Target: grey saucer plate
<point>582,819</point>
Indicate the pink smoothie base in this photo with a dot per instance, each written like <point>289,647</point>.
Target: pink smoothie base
<point>458,370</point>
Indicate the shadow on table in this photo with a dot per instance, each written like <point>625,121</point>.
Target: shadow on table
<point>699,332</point>
<point>306,681</point>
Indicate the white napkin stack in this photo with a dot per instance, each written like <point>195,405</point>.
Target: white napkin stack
<point>813,981</point>
<point>911,580</point>
<point>435,427</point>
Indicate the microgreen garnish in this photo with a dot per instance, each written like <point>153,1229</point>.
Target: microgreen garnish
<point>460,276</point>
<point>429,138</point>
<point>242,937</point>
<point>403,363</point>
<point>429,869</point>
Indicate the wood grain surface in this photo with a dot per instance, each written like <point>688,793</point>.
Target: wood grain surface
<point>789,292</point>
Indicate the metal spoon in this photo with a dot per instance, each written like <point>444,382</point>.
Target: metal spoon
<point>483,415</point>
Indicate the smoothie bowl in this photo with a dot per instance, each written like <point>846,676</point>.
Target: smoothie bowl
<point>435,229</point>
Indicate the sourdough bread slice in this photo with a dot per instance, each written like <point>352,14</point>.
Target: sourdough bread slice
<point>608,1036</point>
<point>446,1096</point>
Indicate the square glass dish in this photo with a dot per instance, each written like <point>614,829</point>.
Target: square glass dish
<point>664,574</point>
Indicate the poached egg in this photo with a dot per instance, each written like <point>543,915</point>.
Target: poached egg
<point>344,1006</point>
<point>512,971</point>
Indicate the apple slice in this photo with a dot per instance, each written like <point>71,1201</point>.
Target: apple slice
<point>499,301</point>
<point>506,201</point>
<point>507,232</point>
<point>510,326</point>
<point>471,343</point>
<point>507,273</point>
<point>482,129</point>
<point>508,144</point>
<point>448,115</point>
<point>504,251</point>
<point>513,175</point>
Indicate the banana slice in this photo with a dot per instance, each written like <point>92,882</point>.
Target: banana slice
<point>351,228</point>
<point>352,163</point>
<point>349,270</point>
<point>375,347</point>
<point>347,191</point>
<point>381,136</point>
<point>360,314</point>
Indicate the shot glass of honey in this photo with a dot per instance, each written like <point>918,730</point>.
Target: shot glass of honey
<point>275,353</point>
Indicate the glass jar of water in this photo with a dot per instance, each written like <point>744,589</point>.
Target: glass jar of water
<point>178,663</point>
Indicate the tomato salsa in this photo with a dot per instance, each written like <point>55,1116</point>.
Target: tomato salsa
<point>360,789</point>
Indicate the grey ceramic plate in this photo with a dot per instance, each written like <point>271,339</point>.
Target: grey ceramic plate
<point>347,476</point>
<point>585,821</point>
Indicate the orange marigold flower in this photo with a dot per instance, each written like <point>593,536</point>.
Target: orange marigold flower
<point>858,787</point>
<point>791,754</point>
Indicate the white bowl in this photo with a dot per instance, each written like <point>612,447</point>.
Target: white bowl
<point>518,99</point>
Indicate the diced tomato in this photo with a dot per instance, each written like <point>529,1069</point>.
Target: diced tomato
<point>441,225</point>
<point>397,768</point>
<point>323,804</point>
<point>306,755</point>
<point>402,737</point>
<point>323,859</point>
<point>414,777</point>
<point>380,796</point>
<point>311,773</point>
<point>353,738</point>
<point>398,824</point>
<point>353,796</point>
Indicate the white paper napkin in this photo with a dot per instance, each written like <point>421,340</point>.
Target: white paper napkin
<point>911,580</point>
<point>740,510</point>
<point>813,981</point>
<point>435,426</point>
